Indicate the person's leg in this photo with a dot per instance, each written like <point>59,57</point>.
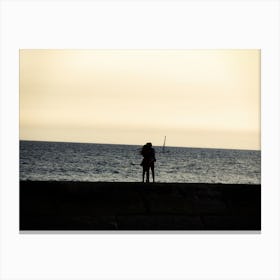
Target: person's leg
<point>148,175</point>
<point>153,171</point>
<point>143,174</point>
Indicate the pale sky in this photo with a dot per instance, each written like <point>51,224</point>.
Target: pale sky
<point>196,98</point>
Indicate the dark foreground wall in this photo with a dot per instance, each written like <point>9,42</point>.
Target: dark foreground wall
<point>137,206</point>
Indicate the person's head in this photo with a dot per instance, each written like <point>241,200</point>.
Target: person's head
<point>149,144</point>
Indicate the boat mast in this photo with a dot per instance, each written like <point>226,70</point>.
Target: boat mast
<point>163,147</point>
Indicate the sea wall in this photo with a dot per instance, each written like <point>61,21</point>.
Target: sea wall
<point>138,206</point>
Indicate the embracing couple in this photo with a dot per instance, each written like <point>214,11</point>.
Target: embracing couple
<point>148,161</point>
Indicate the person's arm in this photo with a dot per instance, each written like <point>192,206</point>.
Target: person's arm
<point>154,155</point>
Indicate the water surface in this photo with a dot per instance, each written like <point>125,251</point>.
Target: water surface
<point>121,163</point>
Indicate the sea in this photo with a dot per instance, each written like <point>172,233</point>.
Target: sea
<point>61,161</point>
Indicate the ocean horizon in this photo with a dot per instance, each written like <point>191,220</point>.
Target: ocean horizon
<point>140,145</point>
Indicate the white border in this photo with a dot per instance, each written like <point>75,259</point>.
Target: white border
<point>142,25</point>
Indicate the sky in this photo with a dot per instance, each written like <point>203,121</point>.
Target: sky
<point>196,98</point>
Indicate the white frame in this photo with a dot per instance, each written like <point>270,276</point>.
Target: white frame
<point>129,25</point>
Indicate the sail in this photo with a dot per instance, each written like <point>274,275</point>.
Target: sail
<point>163,147</point>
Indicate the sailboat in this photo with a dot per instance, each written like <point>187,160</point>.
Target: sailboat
<point>163,147</point>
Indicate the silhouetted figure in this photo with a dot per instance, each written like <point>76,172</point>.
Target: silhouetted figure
<point>148,161</point>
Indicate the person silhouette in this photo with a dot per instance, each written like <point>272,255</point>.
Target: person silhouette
<point>148,161</point>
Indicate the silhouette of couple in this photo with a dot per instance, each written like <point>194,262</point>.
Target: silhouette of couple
<point>148,161</point>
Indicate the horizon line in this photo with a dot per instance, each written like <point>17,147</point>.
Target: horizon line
<point>191,147</point>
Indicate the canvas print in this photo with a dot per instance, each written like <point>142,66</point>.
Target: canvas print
<point>139,140</point>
